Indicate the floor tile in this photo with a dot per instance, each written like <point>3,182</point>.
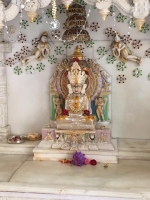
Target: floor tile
<point>126,174</point>
<point>9,164</point>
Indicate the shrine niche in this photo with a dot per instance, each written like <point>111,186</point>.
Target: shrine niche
<point>80,107</point>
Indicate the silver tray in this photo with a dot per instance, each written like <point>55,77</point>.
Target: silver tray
<point>15,139</point>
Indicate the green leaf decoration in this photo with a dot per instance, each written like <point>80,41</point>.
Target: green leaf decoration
<point>52,59</point>
<point>120,18</point>
<point>111,59</point>
<point>58,50</point>
<point>17,70</point>
<point>40,67</point>
<point>137,72</point>
<point>24,24</point>
<point>121,66</point>
<point>101,51</point>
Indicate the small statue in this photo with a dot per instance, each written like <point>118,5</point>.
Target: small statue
<point>106,86</point>
<point>42,50</point>
<point>102,137</point>
<point>77,102</point>
<point>100,103</point>
<point>120,51</point>
<point>58,110</point>
<point>48,136</point>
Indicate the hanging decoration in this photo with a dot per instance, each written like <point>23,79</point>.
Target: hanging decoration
<point>74,24</point>
<point>67,3</point>
<point>54,24</point>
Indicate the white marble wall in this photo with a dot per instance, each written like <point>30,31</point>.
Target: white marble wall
<point>28,95</point>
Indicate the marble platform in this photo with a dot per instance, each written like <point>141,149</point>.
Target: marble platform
<point>106,155</point>
<point>22,178</point>
<point>25,148</point>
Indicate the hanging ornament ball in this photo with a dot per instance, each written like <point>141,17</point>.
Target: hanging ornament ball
<point>54,24</point>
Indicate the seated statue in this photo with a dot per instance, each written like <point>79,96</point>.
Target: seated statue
<point>77,104</point>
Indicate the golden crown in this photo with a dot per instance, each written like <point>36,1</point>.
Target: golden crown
<point>76,75</point>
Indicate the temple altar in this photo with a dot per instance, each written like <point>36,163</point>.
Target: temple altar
<point>80,117</point>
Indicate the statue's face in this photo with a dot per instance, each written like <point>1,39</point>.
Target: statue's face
<point>76,88</point>
<point>44,38</point>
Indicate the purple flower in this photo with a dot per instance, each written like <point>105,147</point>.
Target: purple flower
<point>78,158</point>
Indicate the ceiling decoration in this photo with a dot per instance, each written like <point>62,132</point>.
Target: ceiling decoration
<point>75,23</point>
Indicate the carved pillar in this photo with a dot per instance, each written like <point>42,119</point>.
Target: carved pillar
<point>4,128</point>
